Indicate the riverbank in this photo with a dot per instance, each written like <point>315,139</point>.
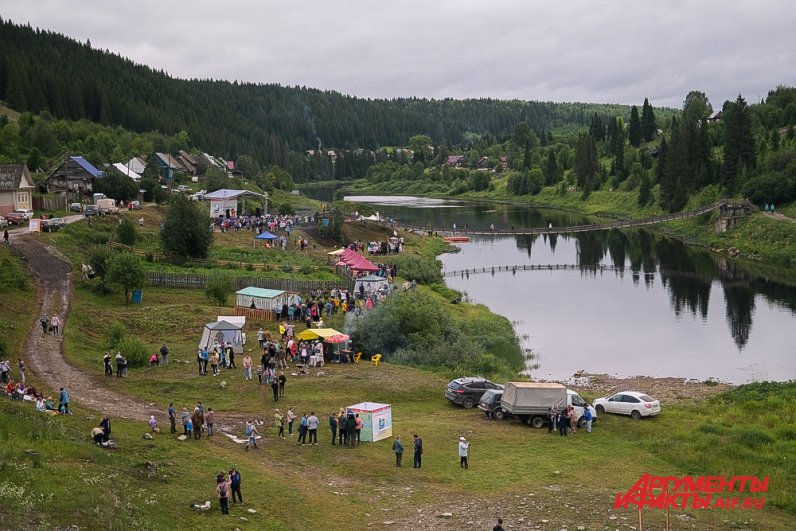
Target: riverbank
<point>759,238</point>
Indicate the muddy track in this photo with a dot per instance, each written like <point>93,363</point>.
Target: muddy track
<point>45,352</point>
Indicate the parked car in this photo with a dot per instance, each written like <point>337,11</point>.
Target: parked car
<point>468,391</point>
<point>52,224</point>
<point>75,207</point>
<point>134,205</point>
<point>3,222</point>
<point>490,404</point>
<point>92,210</point>
<point>29,214</point>
<point>107,206</point>
<point>631,403</point>
<point>16,218</point>
<point>183,188</point>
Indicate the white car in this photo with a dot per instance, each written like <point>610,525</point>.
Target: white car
<point>3,222</point>
<point>631,403</point>
<point>27,213</point>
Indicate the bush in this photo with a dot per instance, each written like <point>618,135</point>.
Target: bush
<point>126,232</point>
<point>114,335</point>
<point>134,350</point>
<point>423,270</point>
<point>218,289</point>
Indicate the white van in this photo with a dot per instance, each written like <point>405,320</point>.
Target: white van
<point>107,206</point>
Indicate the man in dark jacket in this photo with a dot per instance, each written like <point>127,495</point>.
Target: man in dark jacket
<point>418,447</point>
<point>333,428</point>
<point>105,424</point>
<point>234,477</point>
<point>351,430</point>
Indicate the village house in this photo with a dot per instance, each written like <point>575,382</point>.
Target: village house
<point>456,161</point>
<point>187,161</point>
<point>715,117</point>
<point>483,163</point>
<point>504,162</point>
<point>74,177</point>
<point>16,188</point>
<point>136,165</point>
<point>125,170</point>
<point>168,166</point>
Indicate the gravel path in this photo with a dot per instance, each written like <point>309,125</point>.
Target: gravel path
<point>52,272</point>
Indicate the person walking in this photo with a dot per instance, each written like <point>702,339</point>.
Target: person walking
<point>231,357</point>
<point>398,448</point>
<point>45,323</point>
<point>275,389</point>
<point>55,324</point>
<point>247,367</point>
<point>588,417</point>
<point>164,355</point>
<point>210,420</point>
<point>251,433</point>
<point>234,485</point>
<point>312,427</point>
<point>464,450</point>
<point>282,382</point>
<point>552,417</point>
<point>172,417</point>
<point>153,424</point>
<point>279,423</point>
<point>223,486</point>
<point>5,236</point>
<point>333,428</point>
<point>418,448</point>
<point>21,366</point>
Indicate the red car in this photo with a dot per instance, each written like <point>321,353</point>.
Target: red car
<point>16,218</point>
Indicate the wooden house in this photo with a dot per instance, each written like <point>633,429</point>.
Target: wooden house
<point>456,161</point>
<point>168,166</point>
<point>187,161</point>
<point>74,177</point>
<point>16,188</point>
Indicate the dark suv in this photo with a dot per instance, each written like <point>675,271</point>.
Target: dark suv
<point>467,391</point>
<point>490,404</point>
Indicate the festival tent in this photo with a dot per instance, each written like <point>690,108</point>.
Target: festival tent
<point>371,282</point>
<point>265,236</point>
<point>326,333</point>
<point>222,332</point>
<point>377,419</point>
<point>363,264</point>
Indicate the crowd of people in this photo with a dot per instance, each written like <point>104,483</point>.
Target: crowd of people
<point>22,391</point>
<point>566,420</point>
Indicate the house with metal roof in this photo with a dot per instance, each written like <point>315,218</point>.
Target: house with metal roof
<point>168,165</point>
<point>16,188</point>
<point>73,177</point>
<point>125,170</point>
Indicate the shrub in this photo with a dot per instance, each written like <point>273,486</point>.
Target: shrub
<point>218,289</point>
<point>126,232</point>
<point>114,335</point>
<point>134,350</point>
<point>421,269</point>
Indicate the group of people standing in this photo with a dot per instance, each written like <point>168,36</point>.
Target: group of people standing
<point>566,419</point>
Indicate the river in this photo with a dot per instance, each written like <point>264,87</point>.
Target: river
<point>657,308</point>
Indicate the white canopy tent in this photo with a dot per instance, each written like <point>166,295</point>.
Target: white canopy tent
<point>222,332</point>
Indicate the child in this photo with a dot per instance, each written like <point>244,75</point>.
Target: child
<point>267,375</point>
<point>189,428</point>
<point>260,374</point>
<point>153,424</point>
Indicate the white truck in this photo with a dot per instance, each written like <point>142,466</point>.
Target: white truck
<point>530,402</point>
<point>107,206</point>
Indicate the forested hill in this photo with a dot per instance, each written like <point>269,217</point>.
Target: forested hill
<point>45,71</point>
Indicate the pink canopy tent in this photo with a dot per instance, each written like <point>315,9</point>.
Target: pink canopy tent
<point>363,264</point>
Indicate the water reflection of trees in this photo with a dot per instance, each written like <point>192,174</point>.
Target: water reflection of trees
<point>686,274</point>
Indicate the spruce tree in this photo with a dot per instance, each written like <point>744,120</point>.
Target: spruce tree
<point>649,128</point>
<point>634,129</point>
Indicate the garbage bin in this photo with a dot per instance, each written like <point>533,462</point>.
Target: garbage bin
<point>138,295</point>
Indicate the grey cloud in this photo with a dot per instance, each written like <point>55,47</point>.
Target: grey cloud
<point>579,50</point>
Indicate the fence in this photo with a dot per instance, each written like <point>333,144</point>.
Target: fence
<point>163,279</point>
<point>49,204</point>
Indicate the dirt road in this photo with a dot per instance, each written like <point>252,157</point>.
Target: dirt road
<point>45,354</point>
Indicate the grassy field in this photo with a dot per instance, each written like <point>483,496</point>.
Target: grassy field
<point>17,305</point>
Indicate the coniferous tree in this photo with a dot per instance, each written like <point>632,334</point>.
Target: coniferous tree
<point>634,129</point>
<point>739,147</point>
<point>587,162</point>
<point>649,127</point>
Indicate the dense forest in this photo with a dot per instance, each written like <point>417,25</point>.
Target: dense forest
<point>45,71</point>
<point>79,100</point>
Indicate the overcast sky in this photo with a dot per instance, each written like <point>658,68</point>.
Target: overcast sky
<point>606,51</point>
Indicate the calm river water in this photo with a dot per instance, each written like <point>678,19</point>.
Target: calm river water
<point>662,309</point>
